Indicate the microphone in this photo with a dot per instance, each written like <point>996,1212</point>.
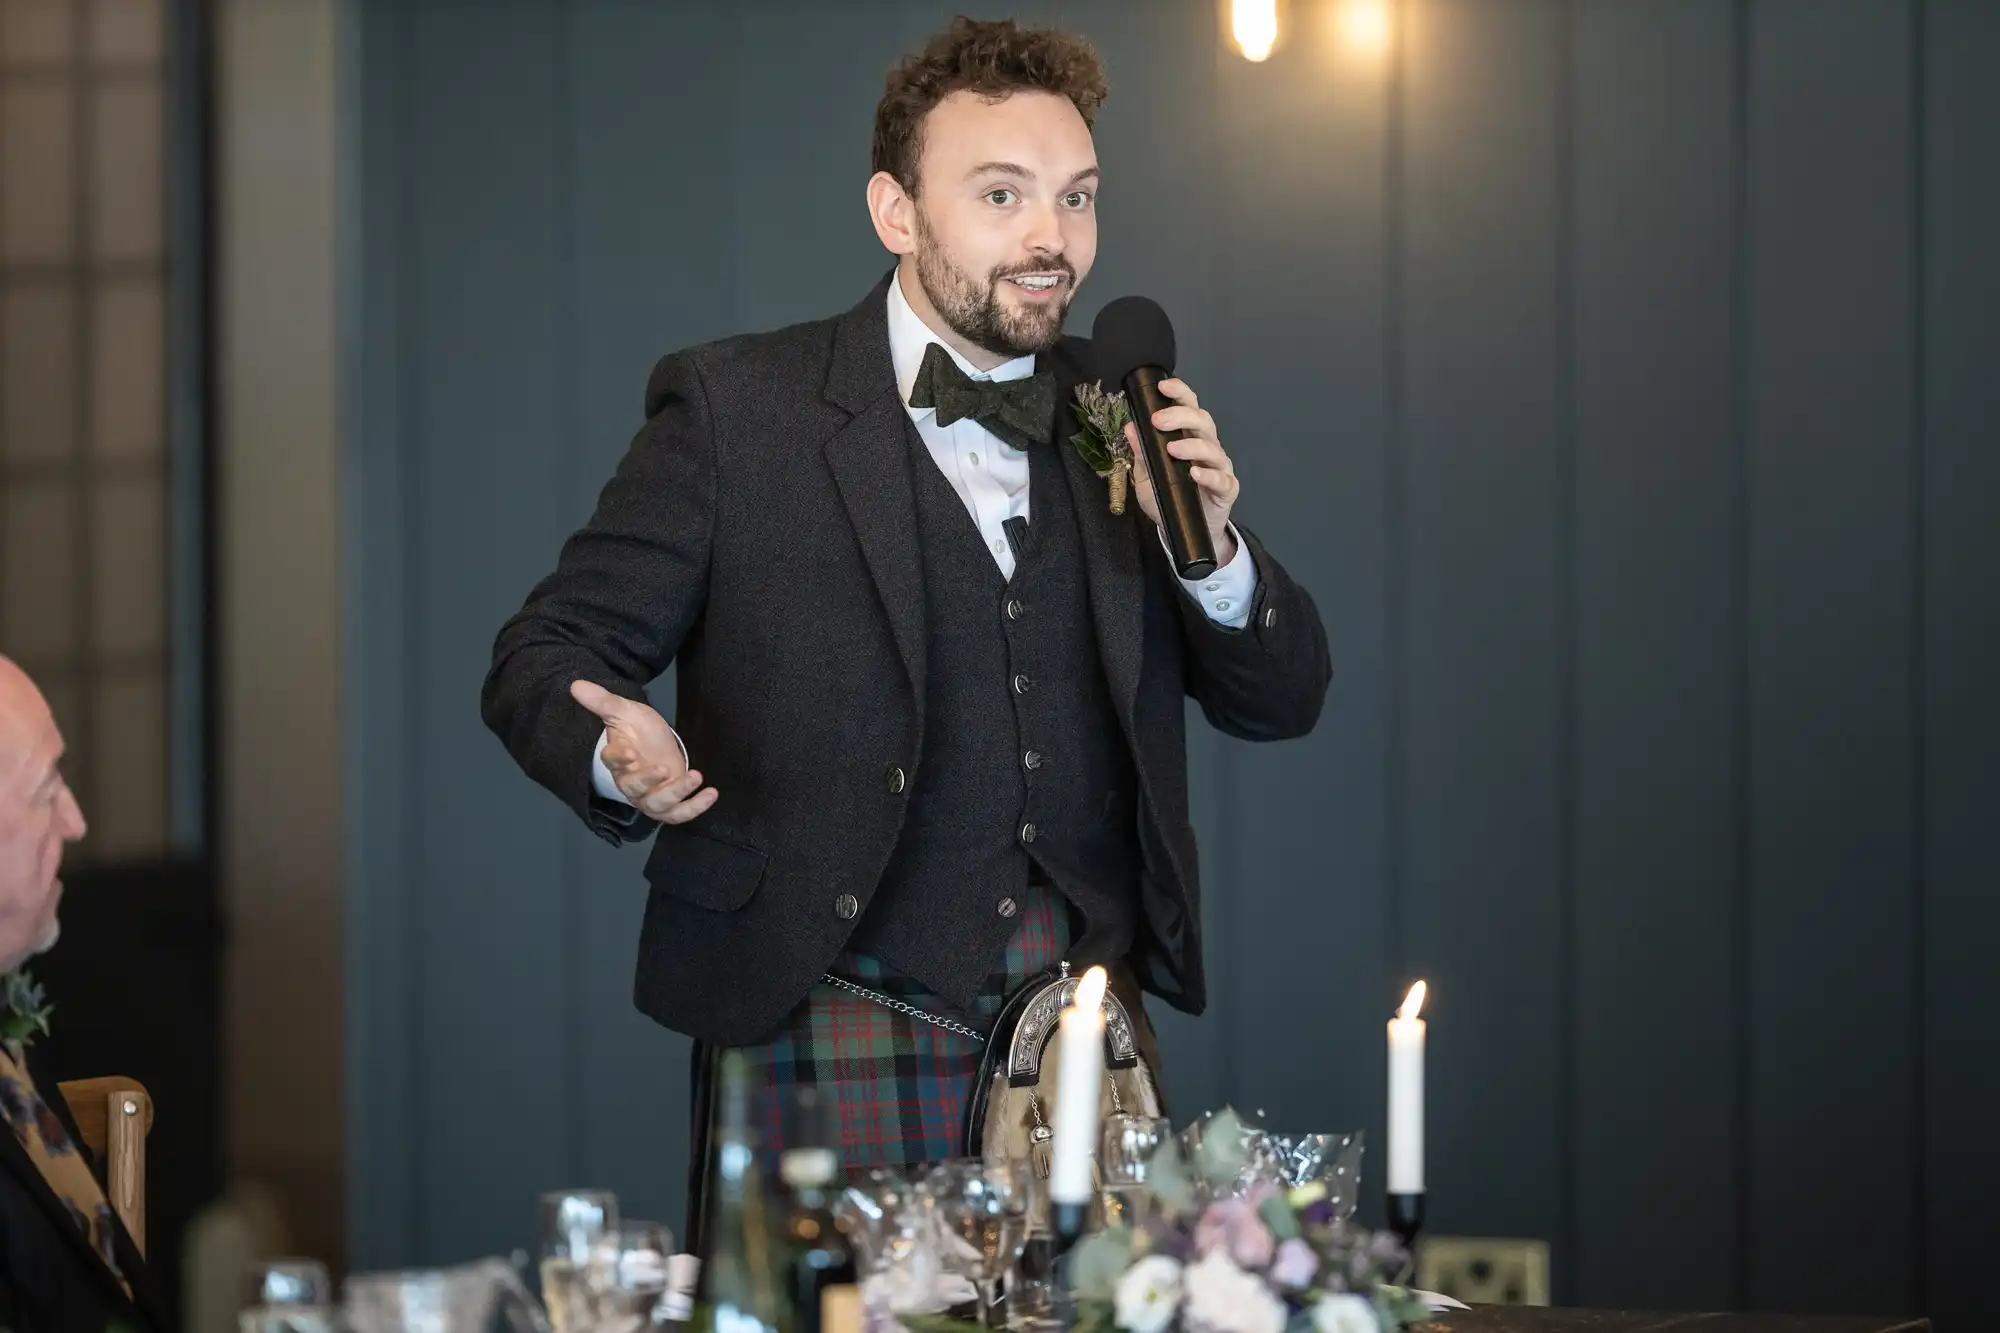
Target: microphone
<point>1135,346</point>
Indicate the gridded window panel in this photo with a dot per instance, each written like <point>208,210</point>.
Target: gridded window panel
<point>37,374</point>
<point>41,593</point>
<point>128,373</point>
<point>35,33</point>
<point>37,170</point>
<point>84,276</point>
<point>128,222</point>
<point>125,32</point>
<point>127,788</point>
<point>128,533</point>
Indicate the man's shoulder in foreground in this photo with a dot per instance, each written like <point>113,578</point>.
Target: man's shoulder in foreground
<point>791,359</point>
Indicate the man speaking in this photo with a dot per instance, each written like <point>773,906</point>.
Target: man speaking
<point>930,723</point>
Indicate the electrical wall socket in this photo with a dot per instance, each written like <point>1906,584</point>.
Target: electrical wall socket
<point>1484,1270</point>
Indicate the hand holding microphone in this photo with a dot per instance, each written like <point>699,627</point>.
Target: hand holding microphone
<point>1172,438</point>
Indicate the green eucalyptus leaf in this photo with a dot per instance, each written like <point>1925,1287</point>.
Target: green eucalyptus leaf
<point>1097,1263</point>
<point>1168,1177</point>
<point>1094,1317</point>
<point>1278,1215</point>
<point>1219,1160</point>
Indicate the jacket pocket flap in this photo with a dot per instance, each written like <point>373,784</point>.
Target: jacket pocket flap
<point>705,870</point>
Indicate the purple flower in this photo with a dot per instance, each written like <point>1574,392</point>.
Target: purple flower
<point>1295,1264</point>
<point>1232,1227</point>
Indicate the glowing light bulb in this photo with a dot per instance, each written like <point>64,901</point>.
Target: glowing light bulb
<point>1366,27</point>
<point>1254,25</point>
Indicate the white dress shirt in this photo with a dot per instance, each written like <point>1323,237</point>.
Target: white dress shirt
<point>991,477</point>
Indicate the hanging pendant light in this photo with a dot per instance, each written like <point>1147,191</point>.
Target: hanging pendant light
<point>1254,27</point>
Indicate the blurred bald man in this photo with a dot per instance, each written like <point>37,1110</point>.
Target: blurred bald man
<point>66,1262</point>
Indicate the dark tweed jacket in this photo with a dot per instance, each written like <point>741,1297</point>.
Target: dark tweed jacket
<point>760,532</point>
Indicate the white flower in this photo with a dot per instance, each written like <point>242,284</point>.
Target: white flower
<point>1148,1294</point>
<point>1222,1298</point>
<point>1346,1313</point>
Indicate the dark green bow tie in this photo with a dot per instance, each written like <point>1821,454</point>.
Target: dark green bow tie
<point>1020,412</point>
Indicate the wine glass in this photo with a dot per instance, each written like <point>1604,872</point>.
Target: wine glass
<point>579,1231</point>
<point>1124,1164</point>
<point>981,1211</point>
<point>469,1298</point>
<point>287,1296</point>
<point>884,1208</point>
<point>628,1284</point>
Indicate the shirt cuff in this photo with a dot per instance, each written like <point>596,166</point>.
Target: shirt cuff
<point>600,774</point>
<point>1226,594</point>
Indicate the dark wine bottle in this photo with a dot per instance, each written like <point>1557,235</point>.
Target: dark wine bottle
<point>742,1284</point>
<point>824,1296</point>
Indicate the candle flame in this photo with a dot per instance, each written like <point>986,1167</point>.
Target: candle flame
<point>1412,1002</point>
<point>1090,991</point>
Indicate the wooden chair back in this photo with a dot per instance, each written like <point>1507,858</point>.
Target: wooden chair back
<point>113,1115</point>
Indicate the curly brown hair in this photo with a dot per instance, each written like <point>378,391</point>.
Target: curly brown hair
<point>992,59</point>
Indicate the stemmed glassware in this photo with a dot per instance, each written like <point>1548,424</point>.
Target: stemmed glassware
<point>981,1211</point>
<point>1124,1164</point>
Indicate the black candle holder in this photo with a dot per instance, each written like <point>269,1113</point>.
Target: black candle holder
<point>1068,1221</point>
<point>1406,1218</point>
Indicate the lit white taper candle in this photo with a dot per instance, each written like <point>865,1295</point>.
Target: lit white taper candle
<point>1079,1080</point>
<point>1406,1096</point>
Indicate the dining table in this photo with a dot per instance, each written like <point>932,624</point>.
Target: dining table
<point>1547,1319</point>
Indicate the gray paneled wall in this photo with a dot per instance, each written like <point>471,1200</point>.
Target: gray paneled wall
<point>1619,376</point>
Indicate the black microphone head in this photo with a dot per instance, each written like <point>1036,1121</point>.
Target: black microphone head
<point>1131,332</point>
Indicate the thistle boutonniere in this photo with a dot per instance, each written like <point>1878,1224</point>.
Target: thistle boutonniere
<point>1104,417</point>
<point>24,1011</point>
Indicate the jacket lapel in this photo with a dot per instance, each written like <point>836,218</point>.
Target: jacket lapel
<point>1111,545</point>
<point>870,461</point>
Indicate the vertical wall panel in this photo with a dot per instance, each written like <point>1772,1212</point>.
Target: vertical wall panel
<point>482,351</point>
<point>1300,255</point>
<point>381,889</point>
<point>1656,1000</point>
<point>1829,545</point>
<point>647,250</point>
<point>1483,474</point>
<point>798,129</point>
<point>1961,654</point>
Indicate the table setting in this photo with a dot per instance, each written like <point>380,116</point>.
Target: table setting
<point>1116,1222</point>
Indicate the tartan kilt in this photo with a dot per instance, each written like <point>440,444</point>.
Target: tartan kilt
<point>894,1086</point>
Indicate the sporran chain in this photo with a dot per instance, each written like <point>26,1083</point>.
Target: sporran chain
<point>902,1007</point>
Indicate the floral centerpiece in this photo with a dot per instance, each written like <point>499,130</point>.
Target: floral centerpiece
<point>1217,1249</point>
